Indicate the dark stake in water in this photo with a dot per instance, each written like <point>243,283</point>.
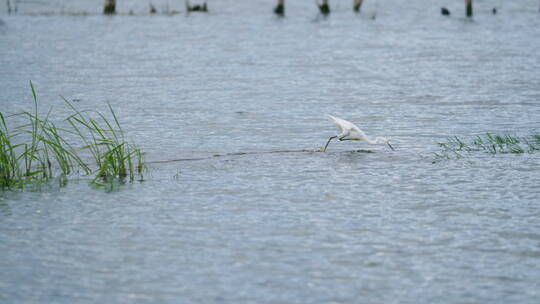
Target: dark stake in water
<point>469,8</point>
<point>109,7</point>
<point>445,11</point>
<point>286,227</point>
<point>357,5</point>
<point>324,8</point>
<point>280,8</point>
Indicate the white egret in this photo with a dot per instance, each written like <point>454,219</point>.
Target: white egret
<point>352,132</point>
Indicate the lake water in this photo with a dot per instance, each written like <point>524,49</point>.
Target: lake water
<point>259,224</point>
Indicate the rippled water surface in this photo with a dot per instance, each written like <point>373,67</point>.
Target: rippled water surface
<point>270,220</point>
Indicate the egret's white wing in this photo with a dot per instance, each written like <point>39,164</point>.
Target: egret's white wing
<point>358,134</point>
<point>342,124</point>
<point>348,128</point>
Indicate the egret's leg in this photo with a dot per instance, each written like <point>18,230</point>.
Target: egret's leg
<point>324,150</point>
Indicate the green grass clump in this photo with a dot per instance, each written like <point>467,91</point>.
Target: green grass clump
<point>455,147</point>
<point>37,150</point>
<point>114,156</point>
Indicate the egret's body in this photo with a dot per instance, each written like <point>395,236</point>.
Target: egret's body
<point>350,131</point>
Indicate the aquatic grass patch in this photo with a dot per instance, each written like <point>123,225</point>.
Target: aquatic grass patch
<point>37,150</point>
<point>34,151</point>
<point>456,148</point>
<point>113,155</point>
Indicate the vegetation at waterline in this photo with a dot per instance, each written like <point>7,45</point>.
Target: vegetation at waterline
<point>455,147</point>
<point>38,151</point>
<point>114,157</point>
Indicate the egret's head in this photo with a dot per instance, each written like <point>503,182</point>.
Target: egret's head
<point>383,140</point>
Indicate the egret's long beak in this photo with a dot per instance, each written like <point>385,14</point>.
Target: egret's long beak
<point>390,145</point>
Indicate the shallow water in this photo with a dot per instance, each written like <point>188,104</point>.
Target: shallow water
<point>270,220</point>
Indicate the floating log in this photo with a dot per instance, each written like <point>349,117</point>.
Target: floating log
<point>445,11</point>
<point>324,7</point>
<point>357,5</point>
<point>109,7</point>
<point>280,8</point>
<point>468,7</point>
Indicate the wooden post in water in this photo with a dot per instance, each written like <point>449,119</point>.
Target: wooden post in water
<point>109,7</point>
<point>468,7</point>
<point>8,7</point>
<point>280,8</point>
<point>357,4</point>
<point>324,7</point>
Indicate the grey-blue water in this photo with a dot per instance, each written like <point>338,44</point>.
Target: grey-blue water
<point>287,227</point>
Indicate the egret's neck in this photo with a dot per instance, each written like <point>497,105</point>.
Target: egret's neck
<point>380,140</point>
<point>371,141</point>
